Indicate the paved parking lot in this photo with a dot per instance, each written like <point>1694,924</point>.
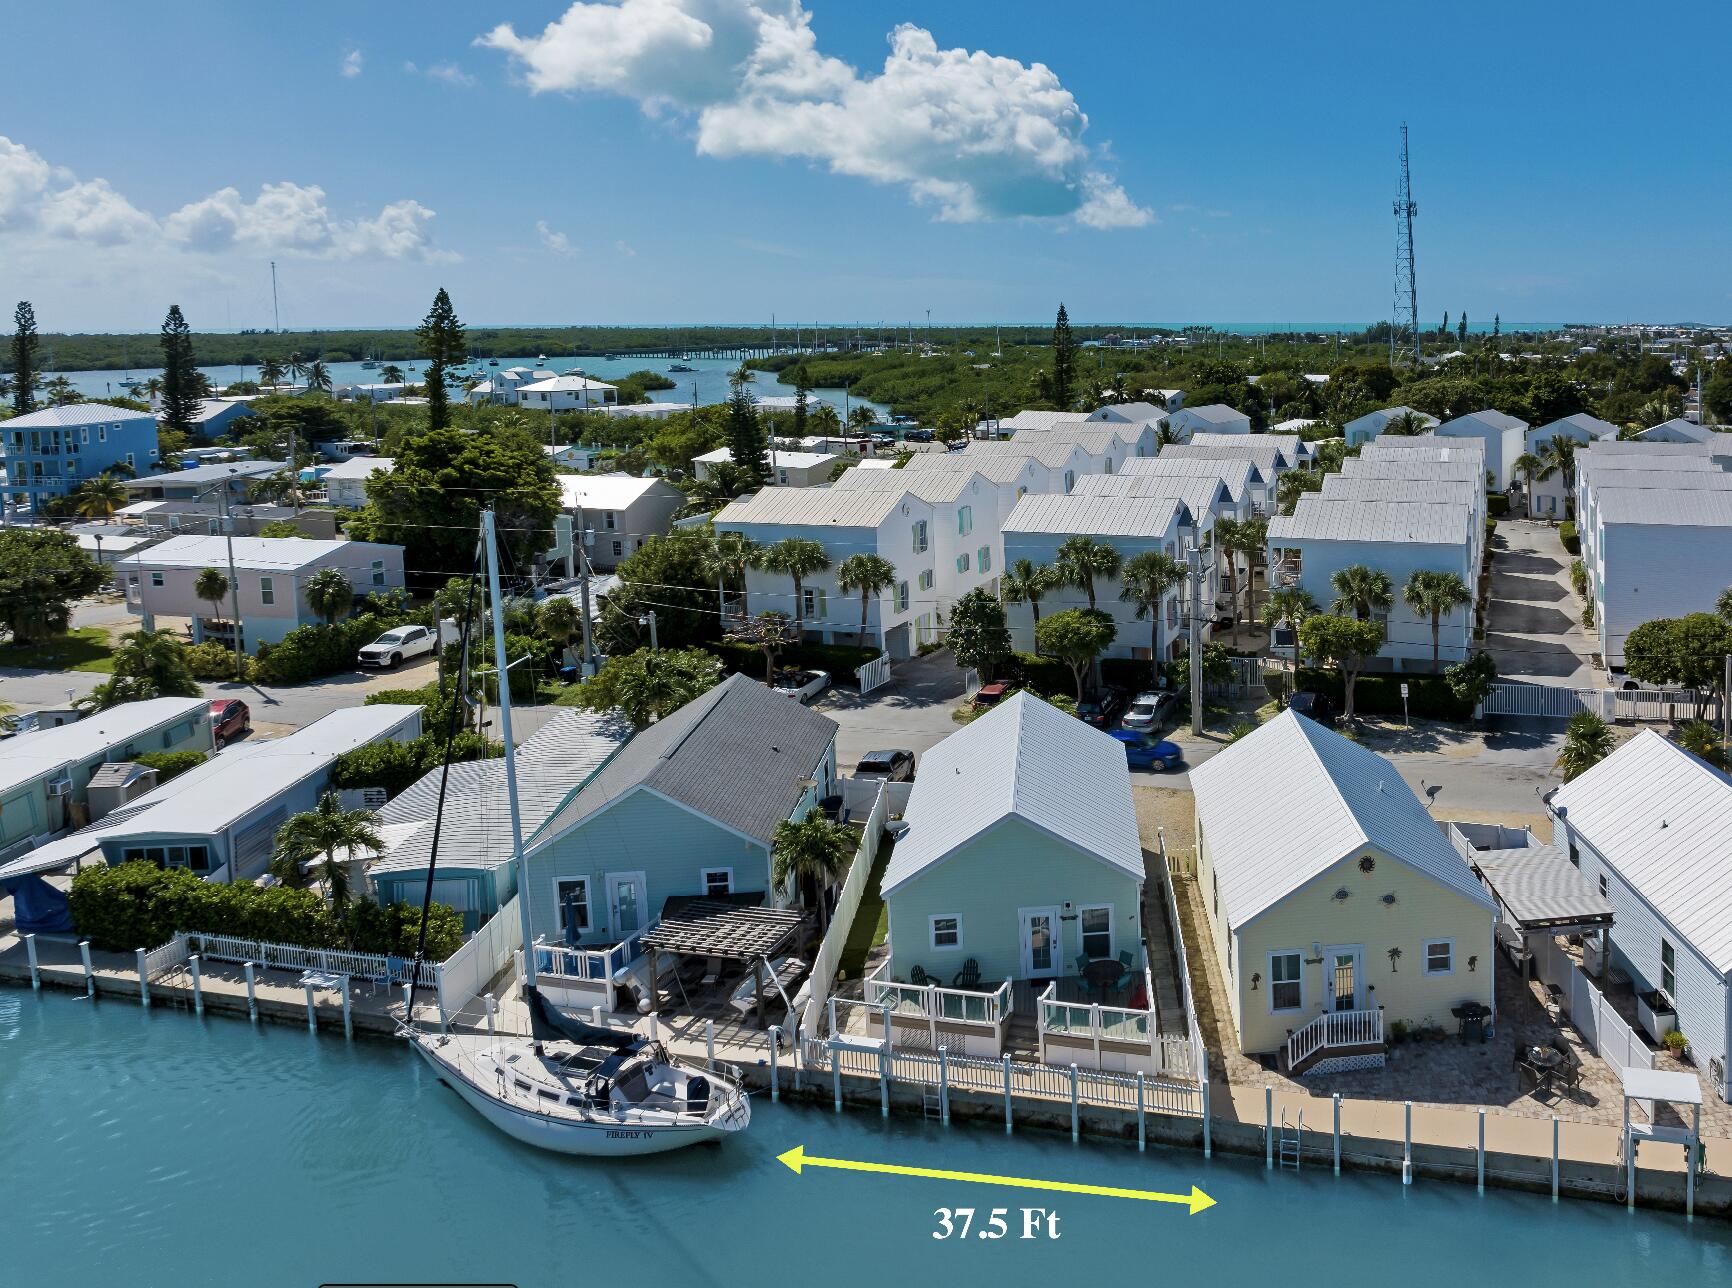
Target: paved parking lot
<point>1533,627</point>
<point>912,711</point>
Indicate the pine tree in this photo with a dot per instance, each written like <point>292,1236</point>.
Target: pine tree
<point>1496,325</point>
<point>1063,360</point>
<point>24,358</point>
<point>441,337</point>
<point>1443,331</point>
<point>1461,329</point>
<point>801,386</point>
<point>181,386</point>
<point>746,442</point>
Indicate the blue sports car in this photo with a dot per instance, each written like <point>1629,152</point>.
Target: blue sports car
<point>1145,752</point>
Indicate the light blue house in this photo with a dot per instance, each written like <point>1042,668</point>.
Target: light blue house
<point>1018,889</point>
<point>475,874</point>
<point>687,808</point>
<point>52,452</point>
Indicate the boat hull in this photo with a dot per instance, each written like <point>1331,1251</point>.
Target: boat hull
<point>595,1138</point>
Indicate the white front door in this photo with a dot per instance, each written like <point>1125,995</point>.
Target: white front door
<point>626,894</point>
<point>1042,952</point>
<point>1344,977</point>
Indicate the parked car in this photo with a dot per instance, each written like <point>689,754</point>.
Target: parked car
<point>229,718</point>
<point>1148,711</point>
<point>391,648</point>
<point>804,685</point>
<point>1143,751</point>
<point>991,694</point>
<point>919,436</point>
<point>1102,709</point>
<point>896,766</point>
<point>1313,706</point>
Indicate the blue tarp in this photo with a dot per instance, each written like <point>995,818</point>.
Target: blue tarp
<point>39,908</point>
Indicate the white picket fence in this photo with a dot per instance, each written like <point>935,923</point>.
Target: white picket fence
<point>1559,702</point>
<point>875,674</point>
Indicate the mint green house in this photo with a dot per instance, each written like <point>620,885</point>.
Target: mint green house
<point>1016,893</point>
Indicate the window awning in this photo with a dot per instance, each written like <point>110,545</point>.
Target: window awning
<point>1541,890</point>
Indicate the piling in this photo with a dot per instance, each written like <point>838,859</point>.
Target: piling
<point>1142,1120</point>
<point>193,965</point>
<point>348,1017</point>
<point>1208,1145</point>
<point>1268,1127</point>
<point>312,1014</point>
<point>1480,1180</point>
<point>835,1075</point>
<point>1075,1124</point>
<point>709,1044</point>
<point>252,992</point>
<point>1336,1108</point>
<point>944,1085</point>
<point>775,1055</point>
<point>35,966</point>
<point>489,1004</point>
<point>143,981</point>
<point>1554,1158</point>
<point>89,970</point>
<point>1009,1125</point>
<point>1407,1142</point>
<point>884,1080</point>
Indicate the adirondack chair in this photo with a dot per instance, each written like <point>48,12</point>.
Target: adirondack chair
<point>968,976</point>
<point>917,975</point>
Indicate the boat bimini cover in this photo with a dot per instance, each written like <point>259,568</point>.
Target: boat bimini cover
<point>39,908</point>
<point>547,1023</point>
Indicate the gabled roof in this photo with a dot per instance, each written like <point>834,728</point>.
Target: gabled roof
<point>1050,450</point>
<point>1131,413</point>
<point>1097,516</point>
<point>1412,465</point>
<point>1360,487</point>
<point>935,487</point>
<point>1214,413</point>
<point>31,755</point>
<point>1041,420</point>
<point>737,755</point>
<point>1489,418</point>
<point>1688,430</point>
<point>1581,422</point>
<point>563,384</point>
<point>999,468</point>
<point>1266,454</point>
<point>84,413</point>
<point>1292,447</point>
<point>275,554</point>
<point>360,467</point>
<point>1026,760</point>
<point>608,491</point>
<point>1321,518</point>
<point>824,507</point>
<point>1682,508</point>
<point>1285,804</point>
<point>1238,473</point>
<point>1201,494</point>
<point>1376,421</point>
<point>1662,818</point>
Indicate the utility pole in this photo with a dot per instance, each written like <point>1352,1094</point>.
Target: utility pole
<point>578,539</point>
<point>1194,557</point>
<point>649,620</point>
<point>276,316</point>
<point>1726,710</point>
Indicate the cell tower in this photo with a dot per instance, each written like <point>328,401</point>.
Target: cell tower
<point>1406,286</point>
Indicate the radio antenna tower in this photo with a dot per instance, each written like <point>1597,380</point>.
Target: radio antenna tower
<point>1406,286</point>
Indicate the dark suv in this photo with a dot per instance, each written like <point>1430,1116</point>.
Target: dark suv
<point>895,766</point>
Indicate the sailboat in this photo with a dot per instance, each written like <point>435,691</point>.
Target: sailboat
<point>569,1087</point>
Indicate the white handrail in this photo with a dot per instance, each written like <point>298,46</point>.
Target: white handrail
<point>1333,1029</point>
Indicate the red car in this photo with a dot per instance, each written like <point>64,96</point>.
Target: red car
<point>229,718</point>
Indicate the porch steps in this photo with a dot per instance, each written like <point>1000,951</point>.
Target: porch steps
<point>1348,1051</point>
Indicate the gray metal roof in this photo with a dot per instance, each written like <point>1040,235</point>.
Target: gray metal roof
<point>997,468</point>
<point>1097,516</point>
<point>84,413</point>
<point>1539,887</point>
<point>1320,518</point>
<point>936,487</point>
<point>814,506</point>
<point>1028,760</point>
<point>1690,508</point>
<point>1041,420</point>
<point>736,755</point>
<point>1260,449</point>
<point>1290,801</point>
<point>1199,493</point>
<point>1661,817</point>
<point>1412,466</point>
<point>202,474</point>
<point>1376,421</point>
<point>1358,487</point>
<point>1490,418</point>
<point>1592,426</point>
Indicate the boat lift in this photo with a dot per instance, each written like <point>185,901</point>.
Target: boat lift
<point>1648,1086</point>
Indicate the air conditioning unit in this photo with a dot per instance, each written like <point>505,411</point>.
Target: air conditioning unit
<point>60,787</point>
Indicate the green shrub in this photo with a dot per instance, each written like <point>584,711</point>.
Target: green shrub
<point>170,764</point>
<point>1568,535</point>
<point>139,905</point>
<point>1429,697</point>
<point>215,661</point>
<point>1579,576</point>
<point>398,765</point>
<point>840,660</point>
<point>1675,1041</point>
<point>1490,526</point>
<point>311,652</point>
<point>1497,504</point>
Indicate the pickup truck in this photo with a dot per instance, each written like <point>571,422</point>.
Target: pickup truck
<point>394,646</point>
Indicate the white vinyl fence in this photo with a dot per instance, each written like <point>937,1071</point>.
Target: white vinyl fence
<point>816,989</point>
<point>464,975</point>
<point>1558,702</point>
<point>1594,1017</point>
<point>875,674</point>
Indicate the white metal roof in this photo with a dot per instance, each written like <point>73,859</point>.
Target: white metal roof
<point>1201,494</point>
<point>277,554</point>
<point>1320,518</point>
<point>817,506</point>
<point>30,755</point>
<point>1663,819</point>
<point>1095,436</point>
<point>1050,450</point>
<point>1238,473</point>
<point>1643,447</point>
<point>200,474</point>
<point>779,456</point>
<point>1594,464</point>
<point>1592,426</point>
<point>1342,487</point>
<point>1293,447</point>
<point>84,413</point>
<point>1216,413</point>
<point>1097,516</point>
<point>360,467</point>
<point>563,384</point>
<point>1376,421</point>
<point>1411,466</point>
<point>1041,420</point>
<point>936,487</point>
<point>1265,454</point>
<point>1687,508</point>
<point>999,468</point>
<point>1602,480</point>
<point>1488,418</point>
<point>1028,760</point>
<point>1686,429</point>
<point>605,491</point>
<point>1285,804</point>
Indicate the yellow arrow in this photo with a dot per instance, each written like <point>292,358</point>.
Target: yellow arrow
<point>797,1158</point>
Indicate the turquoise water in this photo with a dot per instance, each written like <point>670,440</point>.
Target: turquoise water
<point>146,1148</point>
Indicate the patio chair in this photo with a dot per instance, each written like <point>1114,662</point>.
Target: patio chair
<point>1127,973</point>
<point>1567,1075</point>
<point>917,975</point>
<point>1082,979</point>
<point>968,976</point>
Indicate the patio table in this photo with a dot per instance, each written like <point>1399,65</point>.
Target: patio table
<point>1102,974</point>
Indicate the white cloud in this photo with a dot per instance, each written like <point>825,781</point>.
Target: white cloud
<point>352,63</point>
<point>556,242</point>
<point>450,73</point>
<point>285,218</point>
<point>975,135</point>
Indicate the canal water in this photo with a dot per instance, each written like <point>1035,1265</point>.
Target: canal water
<point>707,384</point>
<point>150,1147</point>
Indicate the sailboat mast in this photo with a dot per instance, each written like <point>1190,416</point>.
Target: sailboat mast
<point>500,670</point>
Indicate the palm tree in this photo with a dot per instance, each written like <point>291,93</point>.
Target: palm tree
<point>1558,456</point>
<point>726,559</point>
<point>1290,604</point>
<point>557,619</point>
<point>296,366</point>
<point>391,374</point>
<point>812,853</point>
<point>153,388</point>
<point>1165,436</point>
<point>1432,594</point>
<point>1587,741</point>
<point>1723,605</point>
<point>1148,577</point>
<point>1362,591</point>
<point>329,594</point>
<point>211,586</point>
<point>61,391</point>
<point>1081,559</point>
<point>319,376</point>
<point>270,373</point>
<point>1246,537</point>
<point>317,835</point>
<point>871,575</point>
<point>1025,581</point>
<point>1406,425</point>
<point>1527,467</point>
<point>100,497</point>
<point>797,558</point>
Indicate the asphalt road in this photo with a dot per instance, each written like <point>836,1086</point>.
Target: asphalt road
<point>912,711</point>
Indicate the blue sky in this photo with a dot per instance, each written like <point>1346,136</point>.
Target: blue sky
<point>720,160</point>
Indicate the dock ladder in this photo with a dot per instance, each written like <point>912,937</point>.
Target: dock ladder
<point>1291,1140</point>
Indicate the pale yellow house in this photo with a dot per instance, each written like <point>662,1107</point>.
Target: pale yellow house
<point>1336,904</point>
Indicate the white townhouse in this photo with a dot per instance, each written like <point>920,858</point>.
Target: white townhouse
<point>619,512</point>
<point>1021,474</point>
<point>1549,495</point>
<point>1362,429</point>
<point>1139,413</point>
<point>1206,496</point>
<point>787,469</point>
<point>1679,430</point>
<point>1648,826</point>
<point>1131,525</point>
<point>1504,436</point>
<point>1210,418</point>
<point>896,525</point>
<point>1241,477</point>
<point>1284,451</point>
<point>1108,448</point>
<point>270,578</point>
<point>1066,460</point>
<point>571,456</point>
<point>1326,534</point>
<point>346,482</point>
<point>968,514</point>
<point>566,393</point>
<point>501,386</point>
<point>1271,458</point>
<point>1034,419</point>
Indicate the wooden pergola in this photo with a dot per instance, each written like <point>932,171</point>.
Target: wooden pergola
<point>700,927</point>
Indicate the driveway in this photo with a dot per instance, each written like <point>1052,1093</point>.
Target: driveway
<point>912,711</point>
<point>1533,627</point>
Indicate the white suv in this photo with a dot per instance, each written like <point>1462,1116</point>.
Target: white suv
<point>391,648</point>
